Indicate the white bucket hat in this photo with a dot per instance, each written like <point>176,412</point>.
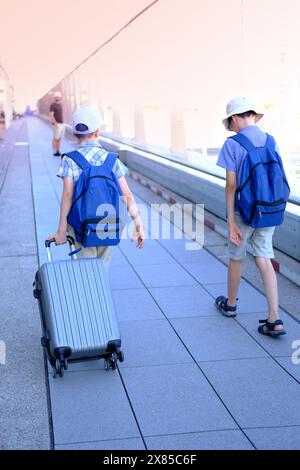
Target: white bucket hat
<point>57,94</point>
<point>242,104</point>
<point>86,120</point>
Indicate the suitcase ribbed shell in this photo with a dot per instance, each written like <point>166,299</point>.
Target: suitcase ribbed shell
<point>77,306</point>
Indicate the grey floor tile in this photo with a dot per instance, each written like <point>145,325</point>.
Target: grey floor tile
<point>290,365</point>
<point>118,444</point>
<point>267,395</point>
<point>47,217</point>
<point>164,275</point>
<point>127,246</point>
<point>250,300</point>
<point>151,253</point>
<point>184,255</point>
<point>150,343</point>
<point>135,304</point>
<point>90,406</point>
<point>178,244</point>
<point>216,339</point>
<point>214,440</point>
<point>282,438</point>
<point>44,230</point>
<point>207,273</point>
<point>117,258</point>
<point>167,233</point>
<point>184,301</point>
<point>281,346</point>
<point>123,277</point>
<point>178,399</point>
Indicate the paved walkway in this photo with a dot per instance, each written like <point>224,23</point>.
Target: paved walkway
<point>24,422</point>
<point>191,378</point>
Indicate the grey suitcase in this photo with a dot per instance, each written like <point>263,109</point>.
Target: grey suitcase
<point>77,312</point>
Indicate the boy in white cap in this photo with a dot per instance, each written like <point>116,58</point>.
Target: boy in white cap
<point>56,116</point>
<point>86,125</point>
<point>242,116</point>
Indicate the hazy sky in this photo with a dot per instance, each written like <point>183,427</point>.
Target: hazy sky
<point>42,40</point>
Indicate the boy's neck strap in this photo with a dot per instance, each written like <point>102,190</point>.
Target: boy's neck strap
<point>78,158</point>
<point>110,161</point>
<point>243,141</point>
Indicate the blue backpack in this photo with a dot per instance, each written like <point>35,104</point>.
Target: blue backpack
<point>263,190</point>
<point>95,210</point>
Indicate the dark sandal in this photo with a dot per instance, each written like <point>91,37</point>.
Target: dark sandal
<point>221,305</point>
<point>268,328</point>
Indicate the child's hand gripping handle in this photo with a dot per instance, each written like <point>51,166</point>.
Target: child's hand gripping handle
<point>52,240</point>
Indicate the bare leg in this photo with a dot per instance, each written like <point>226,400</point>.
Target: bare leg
<point>234,278</point>
<point>56,144</point>
<point>271,289</point>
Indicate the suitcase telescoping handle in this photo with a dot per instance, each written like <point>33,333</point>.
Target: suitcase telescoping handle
<point>71,242</point>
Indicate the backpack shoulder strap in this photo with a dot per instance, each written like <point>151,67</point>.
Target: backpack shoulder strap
<point>270,143</point>
<point>243,141</point>
<point>78,158</point>
<point>110,161</point>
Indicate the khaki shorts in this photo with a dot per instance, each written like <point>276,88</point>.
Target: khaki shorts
<point>58,131</point>
<point>103,252</point>
<point>260,240</point>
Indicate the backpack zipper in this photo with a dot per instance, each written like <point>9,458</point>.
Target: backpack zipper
<point>96,220</point>
<point>270,204</point>
<point>273,212</point>
<point>106,231</point>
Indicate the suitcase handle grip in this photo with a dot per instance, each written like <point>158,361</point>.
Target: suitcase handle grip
<point>70,240</point>
<point>52,240</point>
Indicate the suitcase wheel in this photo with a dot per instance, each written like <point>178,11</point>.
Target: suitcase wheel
<point>111,362</point>
<point>121,356</point>
<point>37,288</point>
<point>54,374</point>
<point>59,368</point>
<point>45,339</point>
<point>36,293</point>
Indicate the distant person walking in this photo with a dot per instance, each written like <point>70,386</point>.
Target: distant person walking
<point>56,116</point>
<point>256,196</point>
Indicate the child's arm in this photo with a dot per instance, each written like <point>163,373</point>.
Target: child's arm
<point>65,206</point>
<point>133,211</point>
<point>235,235</point>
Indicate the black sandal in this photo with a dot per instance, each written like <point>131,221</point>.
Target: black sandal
<point>270,331</point>
<point>221,305</point>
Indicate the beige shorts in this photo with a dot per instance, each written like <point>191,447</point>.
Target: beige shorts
<point>260,240</point>
<point>58,131</point>
<point>103,252</point>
